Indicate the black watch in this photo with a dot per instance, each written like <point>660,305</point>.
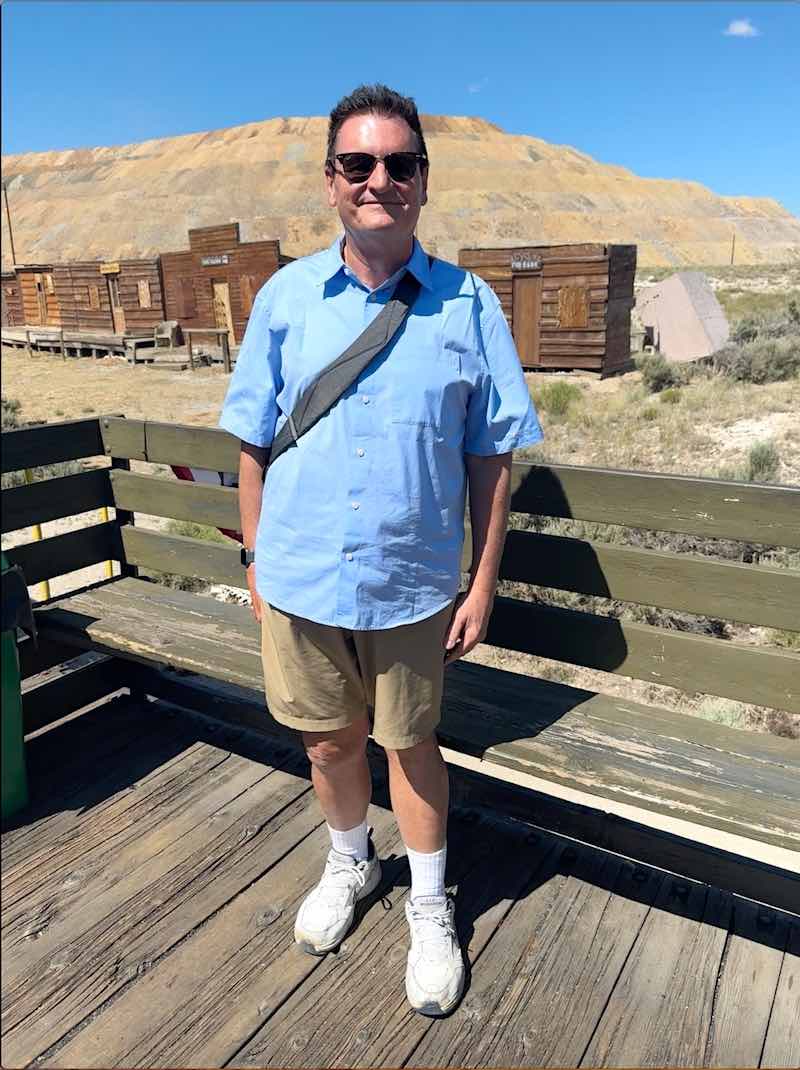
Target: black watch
<point>247,557</point>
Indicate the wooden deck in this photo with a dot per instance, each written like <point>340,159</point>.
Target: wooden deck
<point>149,896</point>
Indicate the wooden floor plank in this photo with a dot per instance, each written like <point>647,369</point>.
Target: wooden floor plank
<point>69,908</point>
<point>62,769</point>
<point>659,1011</point>
<point>220,860</point>
<point>202,1002</point>
<point>751,965</point>
<point>85,847</point>
<point>782,1047</point>
<point>373,1023</point>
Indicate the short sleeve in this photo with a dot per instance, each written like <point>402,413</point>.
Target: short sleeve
<point>250,409</point>
<point>500,415</point>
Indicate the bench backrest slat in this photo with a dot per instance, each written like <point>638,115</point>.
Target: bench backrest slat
<point>211,561</point>
<point>31,447</point>
<point>65,553</point>
<point>765,675</point>
<point>712,508</point>
<point>200,502</point>
<point>689,583</point>
<point>52,499</point>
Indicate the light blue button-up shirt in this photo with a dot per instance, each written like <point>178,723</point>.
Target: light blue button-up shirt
<point>362,520</point>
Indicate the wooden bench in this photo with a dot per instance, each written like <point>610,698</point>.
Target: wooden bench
<point>696,797</point>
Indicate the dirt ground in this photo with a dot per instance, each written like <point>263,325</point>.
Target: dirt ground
<point>51,389</point>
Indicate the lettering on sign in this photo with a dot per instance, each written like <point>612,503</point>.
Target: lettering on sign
<point>212,261</point>
<point>525,263</point>
<point>110,269</point>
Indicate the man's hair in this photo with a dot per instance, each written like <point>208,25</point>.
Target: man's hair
<point>379,100</point>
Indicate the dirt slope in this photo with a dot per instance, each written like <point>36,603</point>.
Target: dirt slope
<point>487,187</point>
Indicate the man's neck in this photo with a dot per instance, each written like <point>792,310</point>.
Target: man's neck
<point>372,263</point>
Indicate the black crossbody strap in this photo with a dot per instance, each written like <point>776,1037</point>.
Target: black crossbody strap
<point>331,383</point>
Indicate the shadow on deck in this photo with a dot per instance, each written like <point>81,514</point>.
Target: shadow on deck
<point>149,895</point>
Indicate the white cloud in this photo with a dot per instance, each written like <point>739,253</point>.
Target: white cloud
<point>476,87</point>
<point>741,28</point>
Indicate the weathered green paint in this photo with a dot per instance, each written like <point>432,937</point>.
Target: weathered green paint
<point>753,512</point>
<point>752,594</point>
<point>186,557</point>
<point>181,500</point>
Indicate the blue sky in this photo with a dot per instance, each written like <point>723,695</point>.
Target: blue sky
<point>660,88</point>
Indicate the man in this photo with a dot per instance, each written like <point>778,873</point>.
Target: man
<point>357,546</point>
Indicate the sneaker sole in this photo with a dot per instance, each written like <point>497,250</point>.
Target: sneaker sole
<point>305,942</point>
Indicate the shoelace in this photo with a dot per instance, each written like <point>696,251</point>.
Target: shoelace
<point>443,922</point>
<point>335,870</point>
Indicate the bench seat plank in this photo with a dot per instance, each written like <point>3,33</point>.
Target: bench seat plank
<point>653,758</point>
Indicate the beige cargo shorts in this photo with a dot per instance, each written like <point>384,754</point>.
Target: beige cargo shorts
<point>319,677</point>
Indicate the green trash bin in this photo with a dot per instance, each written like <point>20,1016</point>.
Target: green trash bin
<point>16,613</point>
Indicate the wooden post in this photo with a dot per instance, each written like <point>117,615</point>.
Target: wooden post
<point>189,344</point>
<point>61,343</point>
<point>109,564</point>
<point>226,353</point>
<point>733,245</point>
<point>36,529</point>
<point>28,342</point>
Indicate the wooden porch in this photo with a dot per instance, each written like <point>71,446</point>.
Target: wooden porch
<point>149,895</point>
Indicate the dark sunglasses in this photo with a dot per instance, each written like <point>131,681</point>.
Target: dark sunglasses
<point>358,166</point>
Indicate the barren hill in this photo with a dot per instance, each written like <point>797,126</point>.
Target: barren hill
<point>487,188</point>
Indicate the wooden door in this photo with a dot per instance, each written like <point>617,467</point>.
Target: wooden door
<point>525,316</point>
<point>41,299</point>
<point>222,309</point>
<point>117,311</point>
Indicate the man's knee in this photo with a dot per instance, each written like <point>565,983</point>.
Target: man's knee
<point>327,750</point>
<point>409,757</point>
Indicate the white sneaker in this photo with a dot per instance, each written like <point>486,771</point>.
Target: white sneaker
<point>435,970</point>
<point>327,912</point>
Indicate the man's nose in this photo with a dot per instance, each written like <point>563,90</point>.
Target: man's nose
<point>379,179</point>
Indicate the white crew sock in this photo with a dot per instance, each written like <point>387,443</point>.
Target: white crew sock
<point>353,842</point>
<point>427,872</point>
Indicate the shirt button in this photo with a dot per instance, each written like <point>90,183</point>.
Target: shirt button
<point>349,557</point>
<point>360,453</point>
<point>354,505</point>
<point>365,400</point>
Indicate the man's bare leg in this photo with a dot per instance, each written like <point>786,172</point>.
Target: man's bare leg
<point>340,773</point>
<point>420,793</point>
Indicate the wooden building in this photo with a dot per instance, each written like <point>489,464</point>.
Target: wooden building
<point>115,297</point>
<point>214,282</point>
<point>569,306</point>
<point>38,298</point>
<point>10,301</point>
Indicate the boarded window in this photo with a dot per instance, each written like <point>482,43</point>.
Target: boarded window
<point>144,294</point>
<point>49,285</point>
<point>573,306</point>
<point>187,302</point>
<point>94,297</point>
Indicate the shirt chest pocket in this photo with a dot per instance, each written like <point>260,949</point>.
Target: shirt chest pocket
<point>426,391</point>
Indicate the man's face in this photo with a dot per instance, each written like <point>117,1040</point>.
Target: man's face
<point>378,204</point>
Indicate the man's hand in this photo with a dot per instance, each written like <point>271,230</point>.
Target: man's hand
<point>469,623</point>
<point>255,597</point>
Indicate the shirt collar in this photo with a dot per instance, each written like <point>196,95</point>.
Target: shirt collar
<point>418,264</point>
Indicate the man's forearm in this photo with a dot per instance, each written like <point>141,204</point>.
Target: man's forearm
<point>489,497</point>
<point>252,460</point>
